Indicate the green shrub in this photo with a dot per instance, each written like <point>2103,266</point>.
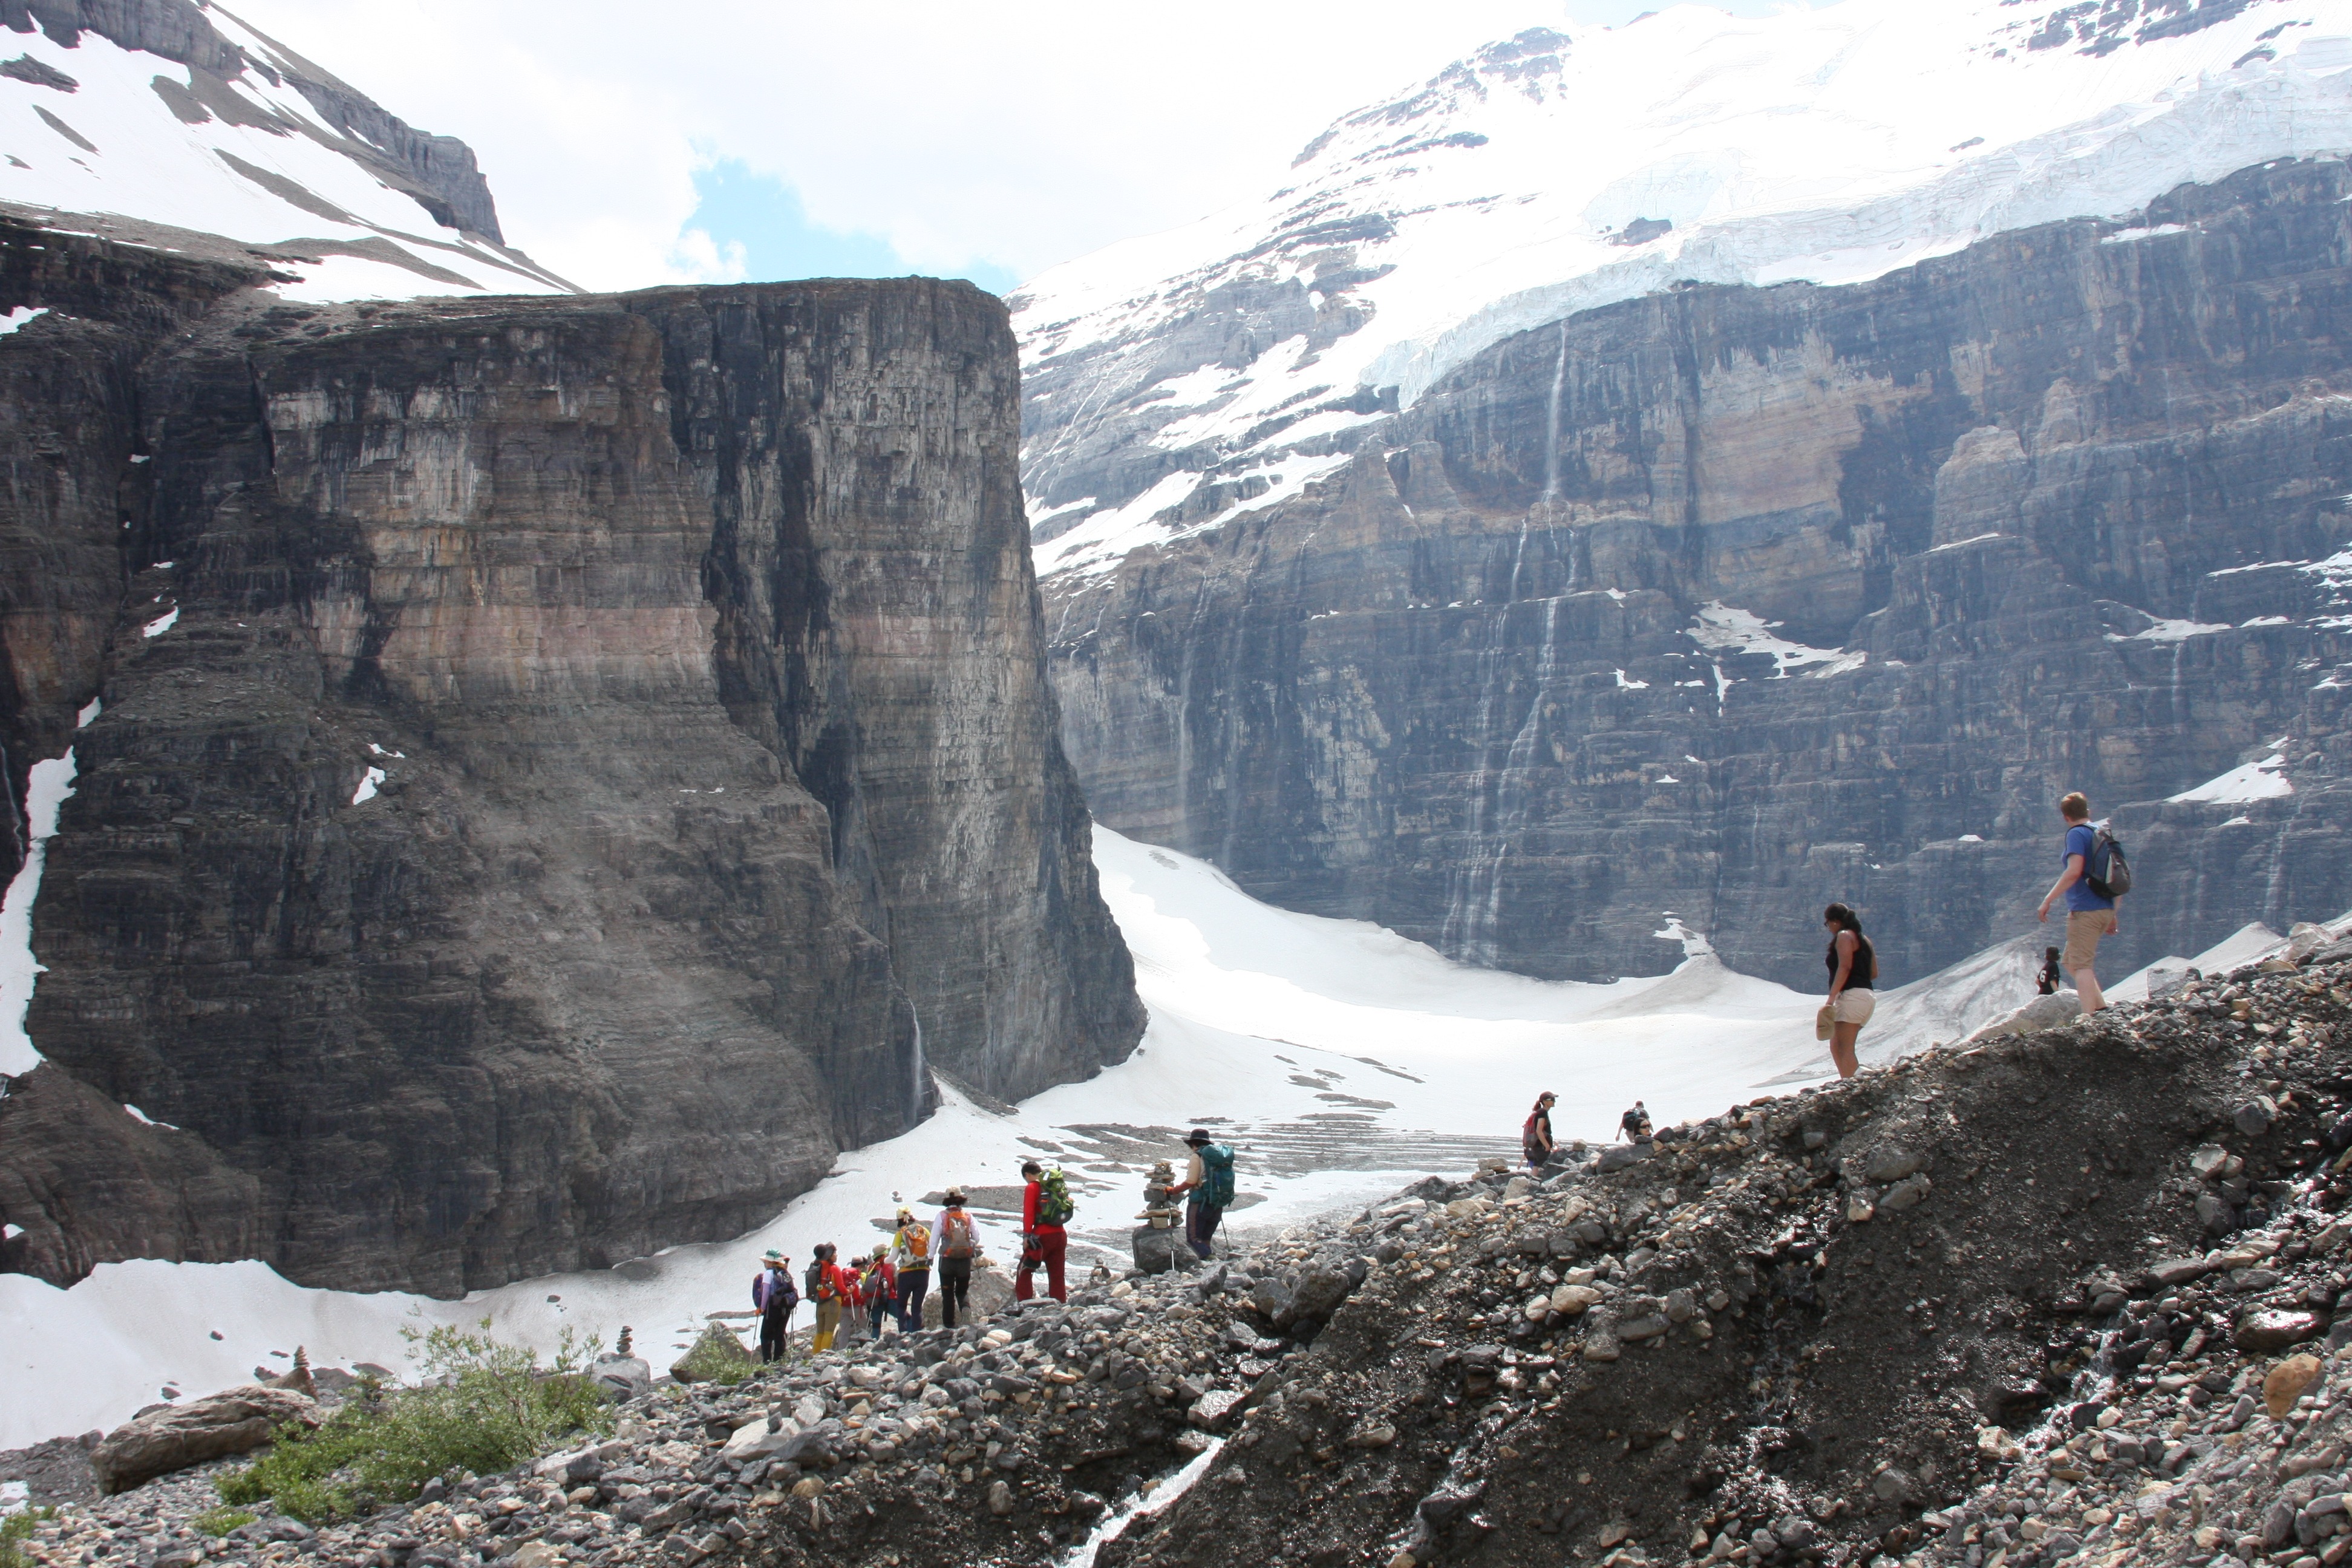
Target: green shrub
<point>717,1357</point>
<point>483,1406</point>
<point>16,1529</point>
<point>218,1522</point>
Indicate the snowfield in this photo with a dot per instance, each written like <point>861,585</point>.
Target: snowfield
<point>1547,174</point>
<point>1342,1058</point>
<point>127,134</point>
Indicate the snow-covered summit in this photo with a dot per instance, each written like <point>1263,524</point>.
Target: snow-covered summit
<point>1547,174</point>
<point>168,112</point>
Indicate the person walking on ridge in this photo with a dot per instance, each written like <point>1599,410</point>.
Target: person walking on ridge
<point>1535,1134</point>
<point>1209,1183</point>
<point>2089,915</point>
<point>910,1254</point>
<point>1853,971</point>
<point>1045,1210</point>
<point>957,1242</point>
<point>773,1296</point>
<point>1636,1124</point>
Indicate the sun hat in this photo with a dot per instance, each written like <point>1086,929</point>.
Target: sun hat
<point>955,1197</point>
<point>1198,1136</point>
<point>772,1256</point>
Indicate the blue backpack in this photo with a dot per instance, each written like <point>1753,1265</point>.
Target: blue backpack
<point>1217,1174</point>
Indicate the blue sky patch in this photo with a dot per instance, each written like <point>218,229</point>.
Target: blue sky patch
<point>765,216</point>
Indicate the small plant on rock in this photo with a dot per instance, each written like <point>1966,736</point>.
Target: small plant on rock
<point>481,1406</point>
<point>717,1357</point>
<point>218,1522</point>
<point>15,1530</point>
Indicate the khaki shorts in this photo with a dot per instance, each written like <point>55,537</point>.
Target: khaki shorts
<point>1855,1006</point>
<point>2083,930</point>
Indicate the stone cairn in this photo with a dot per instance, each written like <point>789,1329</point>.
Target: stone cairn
<point>1158,1244</point>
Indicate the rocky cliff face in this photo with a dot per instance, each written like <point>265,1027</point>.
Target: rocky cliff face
<point>566,767</point>
<point>1726,602</point>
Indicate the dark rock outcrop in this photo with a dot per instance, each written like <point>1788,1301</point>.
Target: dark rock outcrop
<point>567,767</point>
<point>1729,602</point>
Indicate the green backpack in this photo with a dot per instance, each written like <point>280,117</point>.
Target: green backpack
<point>1217,1174</point>
<point>1054,1205</point>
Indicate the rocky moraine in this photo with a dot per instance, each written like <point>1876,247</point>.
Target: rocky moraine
<point>2065,1297</point>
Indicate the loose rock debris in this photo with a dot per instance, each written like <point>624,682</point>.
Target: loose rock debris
<point>2069,1296</point>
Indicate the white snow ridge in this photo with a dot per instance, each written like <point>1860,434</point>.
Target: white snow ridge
<point>92,127</point>
<point>1553,173</point>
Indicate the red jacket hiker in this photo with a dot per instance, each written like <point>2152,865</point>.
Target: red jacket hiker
<point>1045,1243</point>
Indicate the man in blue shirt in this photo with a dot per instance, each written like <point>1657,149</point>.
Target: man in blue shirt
<point>2088,916</point>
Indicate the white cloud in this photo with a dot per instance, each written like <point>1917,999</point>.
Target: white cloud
<point>1018,134</point>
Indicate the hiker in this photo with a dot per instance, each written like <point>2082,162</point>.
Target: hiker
<point>877,1286</point>
<point>1636,1124</point>
<point>2046,984</point>
<point>773,1296</point>
<point>957,1242</point>
<point>910,1254</point>
<point>2090,914</point>
<point>1208,1184</point>
<point>1535,1134</point>
<point>1045,1210</point>
<point>831,1288</point>
<point>1854,970</point>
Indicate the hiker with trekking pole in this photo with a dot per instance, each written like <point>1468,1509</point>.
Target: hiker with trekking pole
<point>1208,1186</point>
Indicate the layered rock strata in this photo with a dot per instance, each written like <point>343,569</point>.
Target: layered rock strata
<point>1726,603</point>
<point>566,768</point>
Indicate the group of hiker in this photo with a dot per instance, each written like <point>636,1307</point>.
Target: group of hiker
<point>2093,874</point>
<point>890,1285</point>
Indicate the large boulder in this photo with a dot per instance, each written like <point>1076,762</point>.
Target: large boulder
<point>1157,1250</point>
<point>622,1376</point>
<point>2042,1013</point>
<point>1321,1287</point>
<point>234,1421</point>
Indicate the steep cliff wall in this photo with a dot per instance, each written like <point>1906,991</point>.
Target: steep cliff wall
<point>564,765</point>
<point>1728,601</point>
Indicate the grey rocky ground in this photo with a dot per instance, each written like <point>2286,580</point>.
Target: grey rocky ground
<point>2067,1296</point>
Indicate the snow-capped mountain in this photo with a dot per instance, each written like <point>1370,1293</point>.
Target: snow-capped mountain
<point>168,112</point>
<point>1178,379</point>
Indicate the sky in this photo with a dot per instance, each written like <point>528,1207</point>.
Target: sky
<point>722,140</point>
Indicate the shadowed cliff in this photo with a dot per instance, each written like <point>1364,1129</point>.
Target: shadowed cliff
<point>566,768</point>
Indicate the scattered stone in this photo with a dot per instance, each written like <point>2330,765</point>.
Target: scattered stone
<point>2288,1381</point>
<point>2274,1329</point>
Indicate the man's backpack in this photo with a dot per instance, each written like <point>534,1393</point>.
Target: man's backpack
<point>2106,871</point>
<point>813,1282</point>
<point>918,1240</point>
<point>955,1234</point>
<point>778,1296</point>
<point>1216,1175</point>
<point>1054,1205</point>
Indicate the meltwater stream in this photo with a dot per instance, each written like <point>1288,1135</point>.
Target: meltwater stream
<point>1143,1504</point>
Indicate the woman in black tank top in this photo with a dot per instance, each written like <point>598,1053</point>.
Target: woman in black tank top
<point>1854,974</point>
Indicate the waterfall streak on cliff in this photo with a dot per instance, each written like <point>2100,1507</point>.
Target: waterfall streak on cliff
<point>1455,940</point>
<point>1552,445</point>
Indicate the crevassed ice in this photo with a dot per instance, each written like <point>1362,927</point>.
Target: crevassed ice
<point>1833,144</point>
